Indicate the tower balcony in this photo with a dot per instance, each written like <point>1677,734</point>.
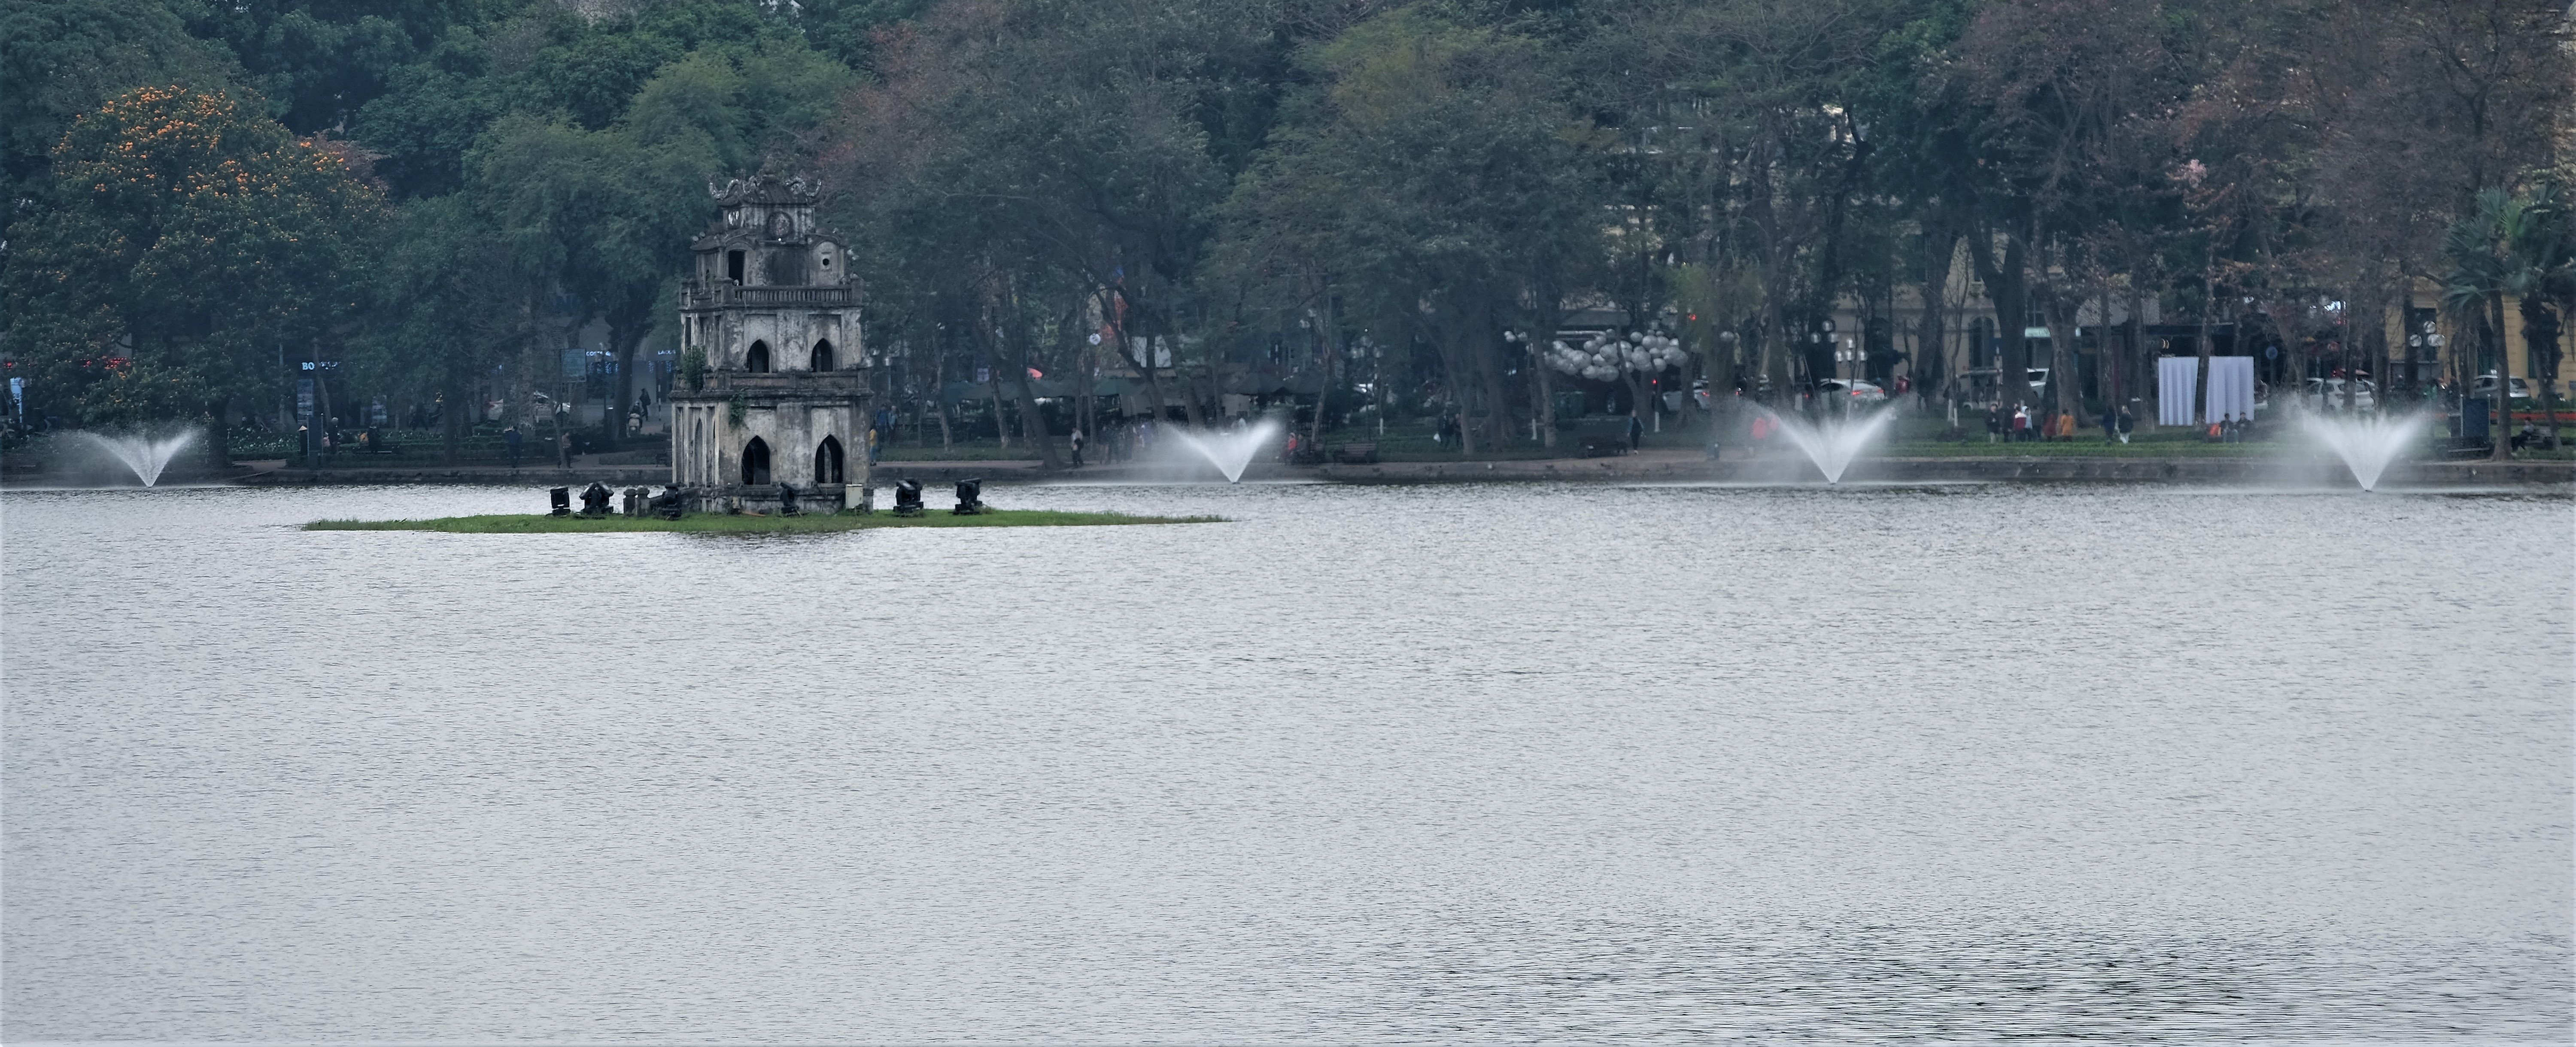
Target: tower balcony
<point>727,294</point>
<point>767,384</point>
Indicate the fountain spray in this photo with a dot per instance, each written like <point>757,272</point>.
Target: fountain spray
<point>2367,444</point>
<point>1833,443</point>
<point>1230,452</point>
<point>142,454</point>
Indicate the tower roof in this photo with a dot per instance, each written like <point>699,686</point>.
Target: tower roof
<point>767,189</point>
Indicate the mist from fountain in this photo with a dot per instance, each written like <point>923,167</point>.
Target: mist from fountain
<point>1229,450</point>
<point>145,455</point>
<point>2368,443</point>
<point>1833,442</point>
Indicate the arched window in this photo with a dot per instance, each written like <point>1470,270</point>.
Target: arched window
<point>755,462</point>
<point>823,356</point>
<point>757,359</point>
<point>827,461</point>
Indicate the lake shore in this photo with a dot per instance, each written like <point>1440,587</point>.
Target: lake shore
<point>747,523</point>
<point>1654,465</point>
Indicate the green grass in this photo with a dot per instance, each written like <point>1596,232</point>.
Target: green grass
<point>717,523</point>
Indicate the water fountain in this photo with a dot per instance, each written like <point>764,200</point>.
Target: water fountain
<point>145,455</point>
<point>2366,444</point>
<point>1833,442</point>
<point>1229,451</point>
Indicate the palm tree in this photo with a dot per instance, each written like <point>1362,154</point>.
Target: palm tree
<point>2508,245</point>
<point>2544,276</point>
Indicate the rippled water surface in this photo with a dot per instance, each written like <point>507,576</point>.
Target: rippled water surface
<point>1365,763</point>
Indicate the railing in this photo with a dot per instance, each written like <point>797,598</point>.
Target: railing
<point>795,383</point>
<point>716,296</point>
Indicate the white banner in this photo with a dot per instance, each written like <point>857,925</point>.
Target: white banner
<point>2231,388</point>
<point>2177,384</point>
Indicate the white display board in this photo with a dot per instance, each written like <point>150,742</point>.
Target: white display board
<point>2231,389</point>
<point>2177,385</point>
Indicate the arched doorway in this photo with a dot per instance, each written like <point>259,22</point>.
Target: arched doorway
<point>827,461</point>
<point>755,462</point>
<point>823,356</point>
<point>758,358</point>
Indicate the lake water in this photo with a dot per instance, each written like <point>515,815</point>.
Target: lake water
<point>1366,763</point>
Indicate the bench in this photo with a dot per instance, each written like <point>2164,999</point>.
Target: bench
<point>1356,454</point>
<point>1603,438</point>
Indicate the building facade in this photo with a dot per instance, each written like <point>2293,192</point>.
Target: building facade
<point>774,384</point>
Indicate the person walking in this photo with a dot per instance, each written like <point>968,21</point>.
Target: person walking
<point>2110,425</point>
<point>1994,423</point>
<point>510,439</point>
<point>1636,431</point>
<point>1077,448</point>
<point>2020,424</point>
<point>563,448</point>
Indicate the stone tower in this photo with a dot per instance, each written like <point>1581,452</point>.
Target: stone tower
<point>783,395</point>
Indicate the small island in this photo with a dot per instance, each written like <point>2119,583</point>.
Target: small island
<point>748,523</point>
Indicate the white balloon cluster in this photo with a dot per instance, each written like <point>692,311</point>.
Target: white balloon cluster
<point>1606,356</point>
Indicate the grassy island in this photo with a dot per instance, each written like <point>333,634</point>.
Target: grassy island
<point>720,523</point>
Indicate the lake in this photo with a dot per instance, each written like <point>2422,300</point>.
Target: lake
<point>1364,763</point>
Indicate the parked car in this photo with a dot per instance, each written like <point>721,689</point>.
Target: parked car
<point>1865,392</point>
<point>2326,394</point>
<point>2486,387</point>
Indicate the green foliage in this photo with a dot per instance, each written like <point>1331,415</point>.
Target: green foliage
<point>189,235</point>
<point>62,58</point>
<point>1319,181</point>
<point>145,391</point>
<point>693,368</point>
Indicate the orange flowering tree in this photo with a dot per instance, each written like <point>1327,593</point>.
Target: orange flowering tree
<point>191,240</point>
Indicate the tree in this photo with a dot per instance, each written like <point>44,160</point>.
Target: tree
<point>189,234</point>
<point>61,58</point>
<point>2517,245</point>
<point>1433,173</point>
<point>1745,127</point>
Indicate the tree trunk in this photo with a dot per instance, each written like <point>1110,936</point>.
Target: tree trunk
<point>2406,327</point>
<point>219,445</point>
<point>2061,353</point>
<point>451,418</point>
<point>1328,352</point>
<point>2006,291</point>
<point>1541,387</point>
<point>2200,383</point>
<point>1145,366</point>
<point>626,343</point>
<point>2135,348</point>
<point>2012,321</point>
<point>2502,410</point>
<point>1033,422</point>
<point>1461,382</point>
<point>1936,301</point>
<point>2061,332</point>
